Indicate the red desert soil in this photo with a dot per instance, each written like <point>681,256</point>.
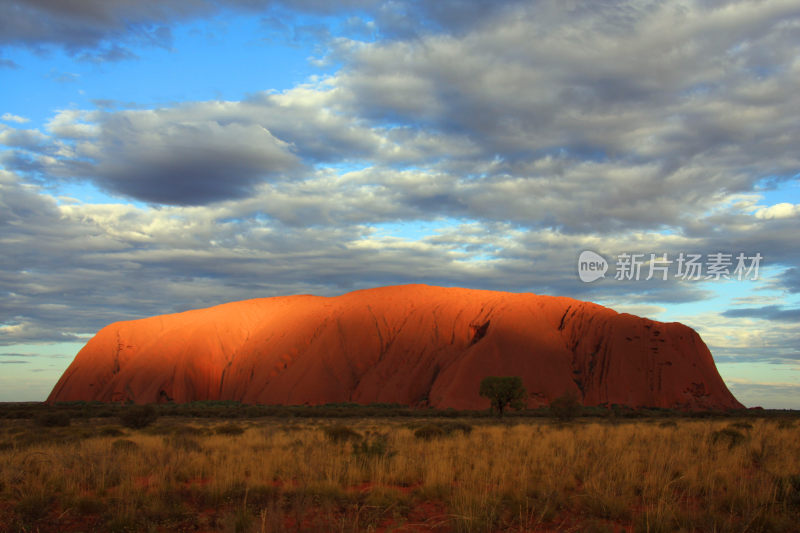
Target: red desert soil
<point>412,344</point>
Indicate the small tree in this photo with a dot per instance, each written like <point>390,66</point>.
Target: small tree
<point>504,391</point>
<point>138,416</point>
<point>566,407</point>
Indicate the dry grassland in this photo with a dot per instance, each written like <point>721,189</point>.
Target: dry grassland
<point>401,475</point>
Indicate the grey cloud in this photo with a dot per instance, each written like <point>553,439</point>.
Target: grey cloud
<point>310,121</point>
<point>82,26</point>
<point>200,153</point>
<point>773,353</point>
<point>110,53</point>
<point>8,63</point>
<point>178,156</point>
<point>640,115</point>
<point>186,163</point>
<point>323,7</point>
<point>32,140</point>
<point>731,231</point>
<point>767,312</point>
<point>25,162</point>
<point>790,280</point>
<point>609,115</point>
<point>30,332</point>
<point>767,395</point>
<point>97,30</point>
<point>63,77</point>
<point>416,18</point>
<point>100,31</point>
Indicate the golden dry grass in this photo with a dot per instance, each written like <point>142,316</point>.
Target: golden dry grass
<point>696,475</point>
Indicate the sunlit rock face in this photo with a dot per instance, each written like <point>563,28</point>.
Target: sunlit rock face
<point>414,344</point>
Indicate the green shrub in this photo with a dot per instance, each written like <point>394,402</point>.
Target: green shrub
<point>452,427</point>
<point>124,522</point>
<point>183,442</point>
<point>240,520</point>
<point>33,507</point>
<point>791,489</point>
<point>124,445</point>
<point>728,435</point>
<point>443,429</point>
<point>138,416</point>
<point>229,429</point>
<point>566,406</point>
<point>598,526</point>
<point>340,433</point>
<point>655,522</point>
<point>53,419</point>
<point>193,431</point>
<point>374,446</point>
<point>160,429</point>
<point>429,432</point>
<point>89,505</point>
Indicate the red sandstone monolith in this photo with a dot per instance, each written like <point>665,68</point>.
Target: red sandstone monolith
<point>414,344</point>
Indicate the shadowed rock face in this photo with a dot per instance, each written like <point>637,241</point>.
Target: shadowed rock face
<point>412,344</point>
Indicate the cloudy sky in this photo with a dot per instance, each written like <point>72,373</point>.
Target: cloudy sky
<point>162,156</point>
